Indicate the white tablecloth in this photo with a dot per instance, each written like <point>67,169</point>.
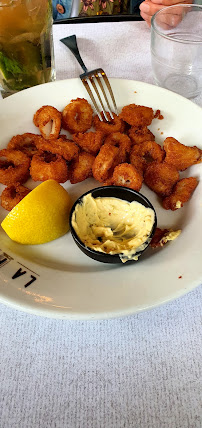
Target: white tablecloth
<point>142,371</point>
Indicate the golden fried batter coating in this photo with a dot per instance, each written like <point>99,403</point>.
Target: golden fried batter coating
<point>105,162</point>
<point>137,115</point>
<point>139,135</point>
<point>150,151</point>
<point>36,116</point>
<point>161,177</point>
<point>90,142</point>
<point>26,143</point>
<point>114,125</point>
<point>14,167</point>
<point>45,166</point>
<point>77,116</point>
<point>81,167</point>
<point>179,155</point>
<point>138,162</point>
<point>162,236</point>
<point>126,175</point>
<point>157,237</point>
<point>62,146</point>
<point>121,141</point>
<point>12,195</point>
<point>181,193</point>
<point>108,182</point>
<point>48,120</point>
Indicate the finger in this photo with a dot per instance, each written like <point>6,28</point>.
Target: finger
<point>169,19</point>
<point>146,17</point>
<point>171,2</point>
<point>166,20</point>
<point>149,8</point>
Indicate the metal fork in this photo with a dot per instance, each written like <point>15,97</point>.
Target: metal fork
<point>95,79</point>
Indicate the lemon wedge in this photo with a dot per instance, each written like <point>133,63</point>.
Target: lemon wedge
<point>41,216</point>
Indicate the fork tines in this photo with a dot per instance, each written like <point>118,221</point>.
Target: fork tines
<point>98,81</point>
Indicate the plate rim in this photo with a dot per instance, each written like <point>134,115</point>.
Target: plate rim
<point>50,312</point>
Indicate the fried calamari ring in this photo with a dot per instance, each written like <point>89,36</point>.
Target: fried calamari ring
<point>181,193</point>
<point>45,166</point>
<point>161,177</point>
<point>77,116</point>
<point>179,155</point>
<point>139,135</point>
<point>81,167</point>
<point>26,143</point>
<point>114,125</point>
<point>12,195</point>
<point>136,115</point>
<point>48,119</point>
<point>123,143</point>
<point>162,236</point>
<point>36,115</point>
<point>104,162</point>
<point>138,162</point>
<point>14,168</point>
<point>63,147</point>
<point>150,151</point>
<point>90,142</point>
<point>108,182</point>
<point>126,175</point>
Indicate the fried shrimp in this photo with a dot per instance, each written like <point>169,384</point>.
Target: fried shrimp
<point>77,116</point>
<point>12,195</point>
<point>64,147</point>
<point>104,161</point>
<point>14,167</point>
<point>45,166</point>
<point>150,151</point>
<point>181,193</point>
<point>48,120</point>
<point>123,143</point>
<point>90,142</point>
<point>179,155</point>
<point>161,177</point>
<point>114,125</point>
<point>126,175</point>
<point>26,143</point>
<point>140,135</point>
<point>81,167</point>
<point>136,115</point>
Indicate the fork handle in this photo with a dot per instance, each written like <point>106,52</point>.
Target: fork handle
<point>71,43</point>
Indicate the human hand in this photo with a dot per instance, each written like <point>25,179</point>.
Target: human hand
<point>149,7</point>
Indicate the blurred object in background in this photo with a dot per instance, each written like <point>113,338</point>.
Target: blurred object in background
<point>64,9</point>
<point>61,9</point>
<point>103,7</point>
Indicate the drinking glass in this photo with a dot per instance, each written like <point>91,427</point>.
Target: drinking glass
<point>26,47</point>
<point>176,49</point>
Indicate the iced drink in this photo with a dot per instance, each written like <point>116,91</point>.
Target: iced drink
<point>26,51</point>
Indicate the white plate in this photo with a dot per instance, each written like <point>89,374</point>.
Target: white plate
<point>56,279</point>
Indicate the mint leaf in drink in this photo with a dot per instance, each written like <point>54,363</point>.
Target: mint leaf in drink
<point>9,66</point>
<point>16,76</point>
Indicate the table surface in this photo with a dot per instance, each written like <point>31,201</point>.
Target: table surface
<point>142,371</point>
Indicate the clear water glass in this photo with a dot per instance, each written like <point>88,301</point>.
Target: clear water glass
<point>176,49</point>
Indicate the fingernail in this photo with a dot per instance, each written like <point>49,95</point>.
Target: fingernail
<point>144,7</point>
